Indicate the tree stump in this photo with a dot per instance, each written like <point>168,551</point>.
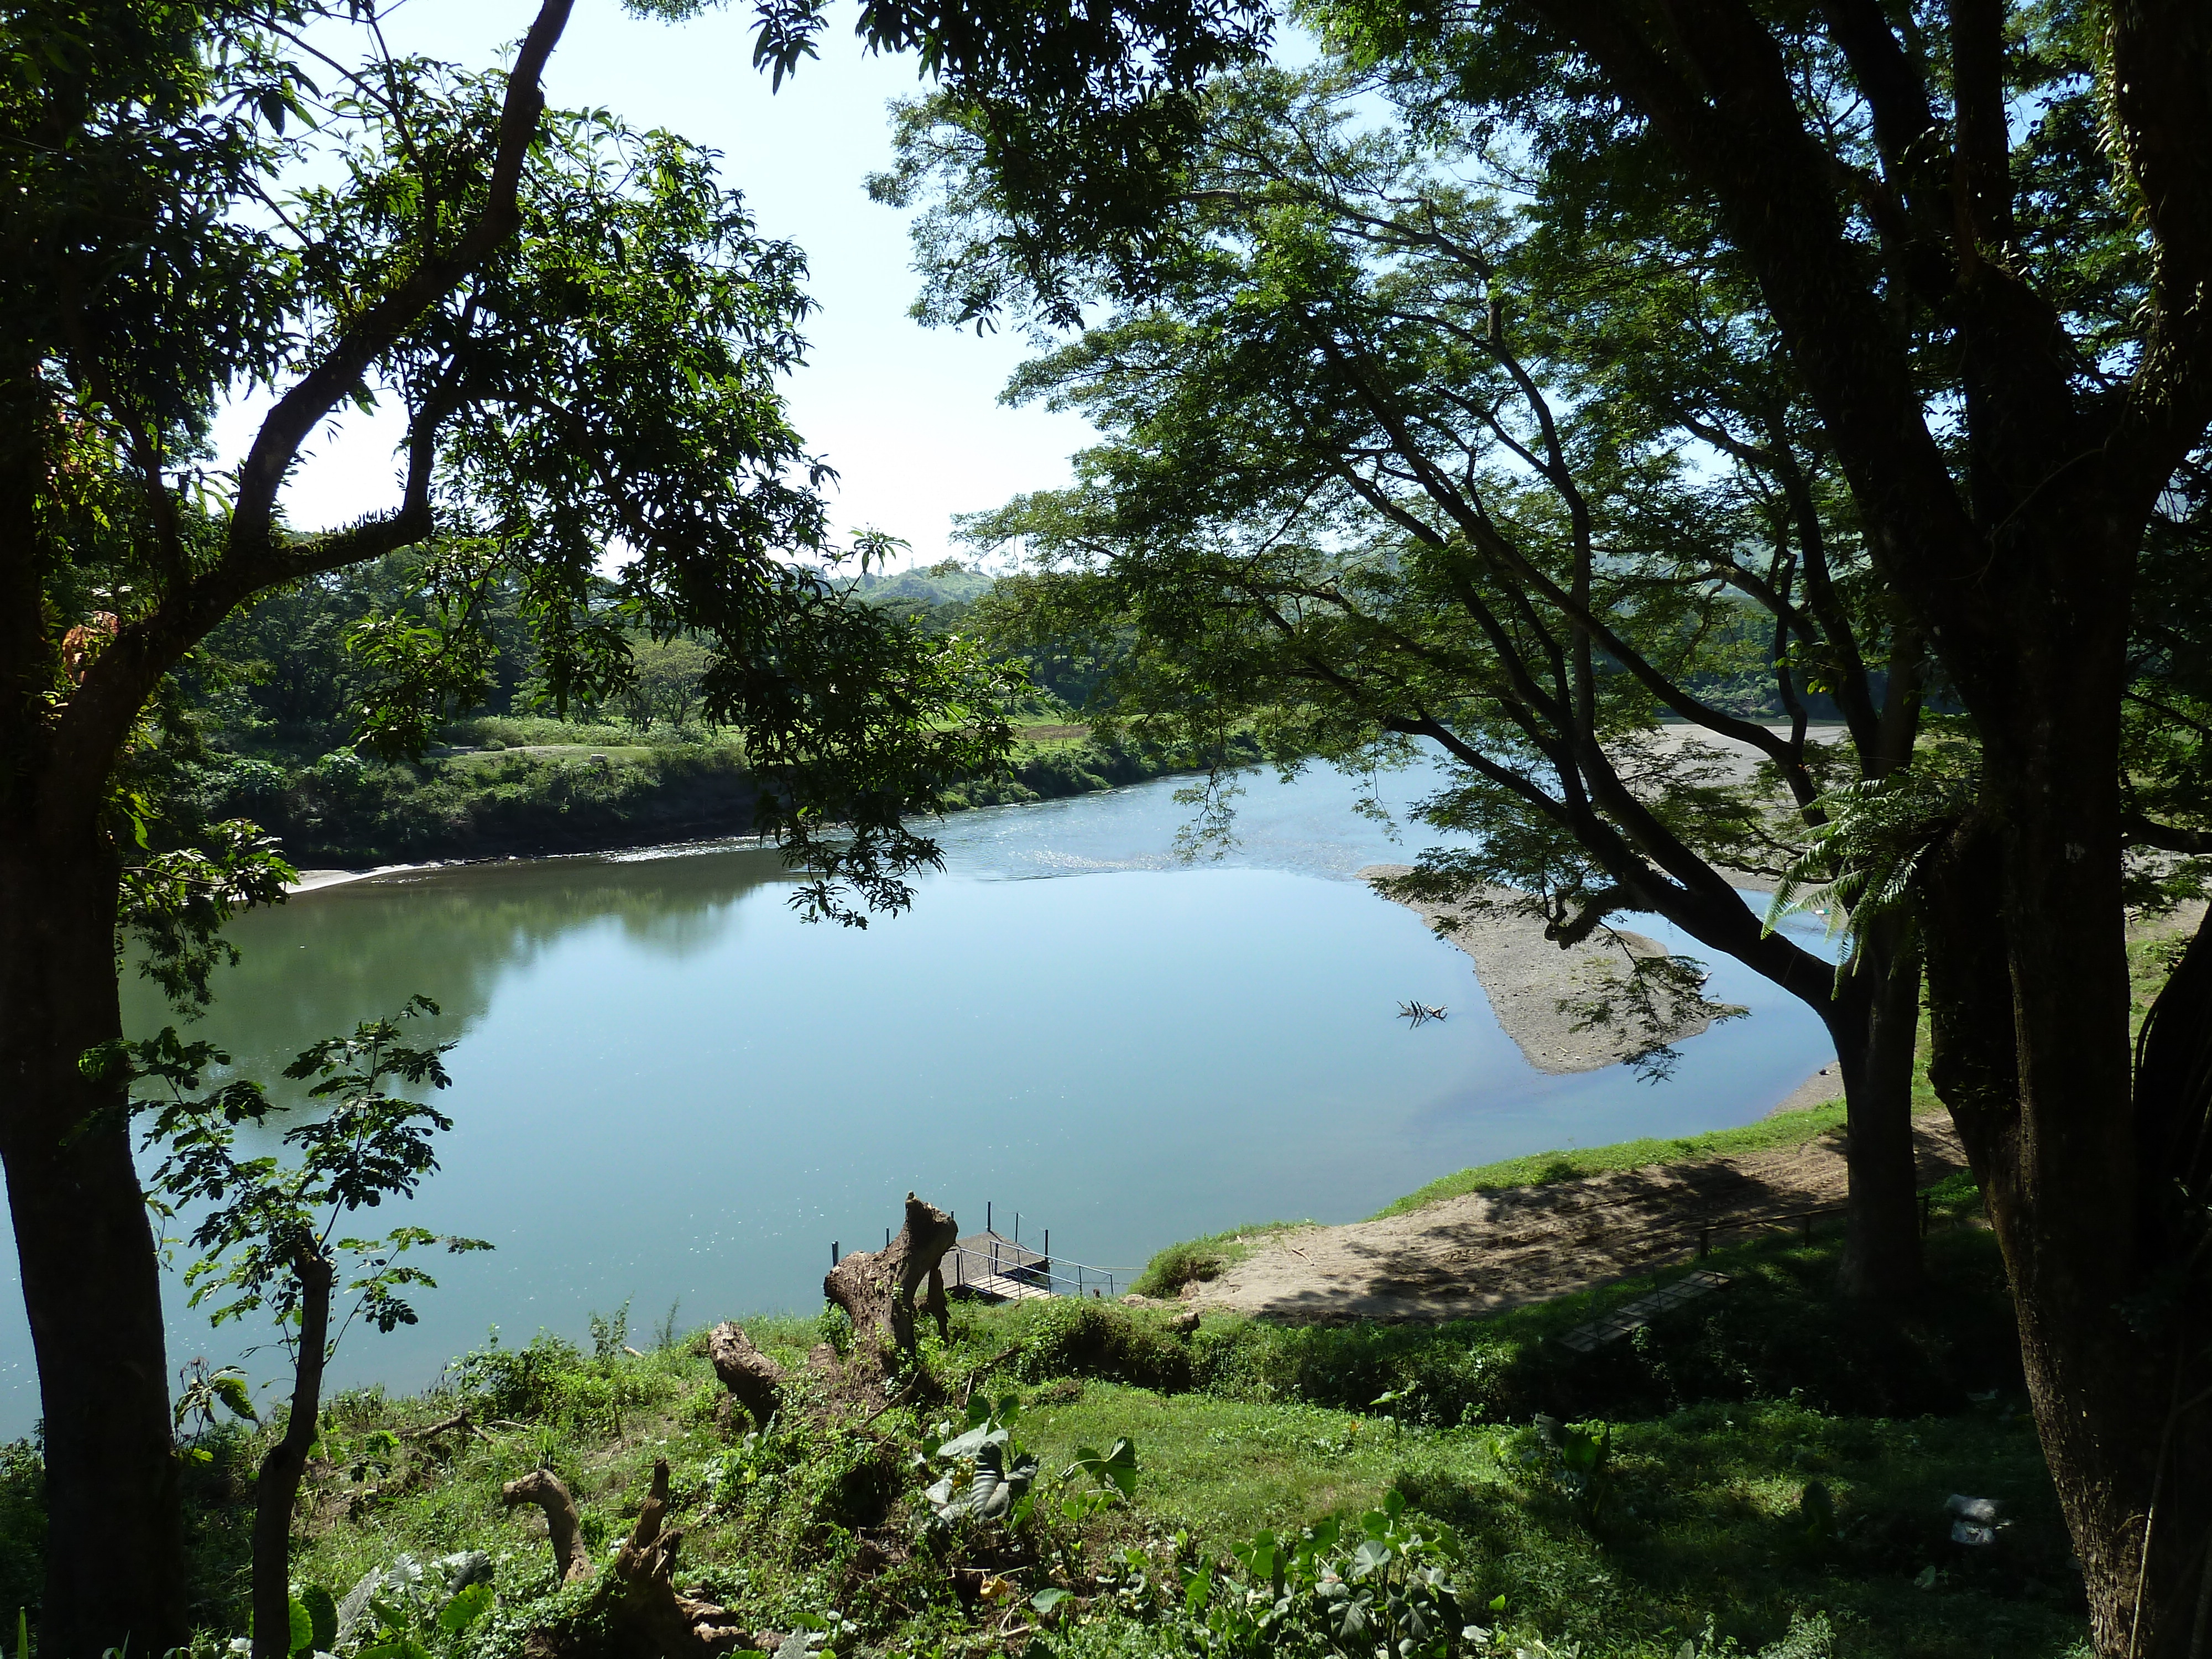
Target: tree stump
<point>544,1488</point>
<point>877,1288</point>
<point>678,1626</point>
<point>754,1380</point>
<point>636,1612</point>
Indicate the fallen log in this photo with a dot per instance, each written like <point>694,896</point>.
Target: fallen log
<point>754,1380</point>
<point>877,1288</point>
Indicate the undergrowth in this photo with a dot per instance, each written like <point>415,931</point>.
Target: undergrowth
<point>1760,1471</point>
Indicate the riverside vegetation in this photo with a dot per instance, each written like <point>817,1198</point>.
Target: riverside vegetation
<point>1763,1471</point>
<point>267,728</point>
<point>525,786</point>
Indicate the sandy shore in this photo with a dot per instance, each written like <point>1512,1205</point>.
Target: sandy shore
<point>1484,1252</point>
<point>312,881</point>
<point>1524,975</point>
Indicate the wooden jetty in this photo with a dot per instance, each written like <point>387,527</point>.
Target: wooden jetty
<point>993,1268</point>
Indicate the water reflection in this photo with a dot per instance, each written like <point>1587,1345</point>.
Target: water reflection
<point>667,1087</point>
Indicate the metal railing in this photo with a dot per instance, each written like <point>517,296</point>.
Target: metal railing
<point>963,1267</point>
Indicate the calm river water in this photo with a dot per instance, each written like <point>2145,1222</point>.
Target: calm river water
<point>670,1088</point>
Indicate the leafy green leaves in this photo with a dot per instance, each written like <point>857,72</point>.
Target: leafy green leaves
<point>175,904</point>
<point>989,1477</point>
<point>266,1222</point>
<point>1385,1584</point>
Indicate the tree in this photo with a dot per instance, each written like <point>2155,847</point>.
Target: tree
<point>1980,235</point>
<point>1386,465</point>
<point>271,1232</point>
<point>585,333</point>
<point>669,673</point>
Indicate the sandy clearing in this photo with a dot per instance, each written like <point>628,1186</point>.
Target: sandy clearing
<point>1484,1252</point>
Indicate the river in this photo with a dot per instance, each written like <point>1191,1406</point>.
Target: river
<point>670,1088</point>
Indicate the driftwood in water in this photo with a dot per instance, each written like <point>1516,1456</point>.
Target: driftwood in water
<point>544,1488</point>
<point>636,1612</point>
<point>754,1380</point>
<point>877,1288</point>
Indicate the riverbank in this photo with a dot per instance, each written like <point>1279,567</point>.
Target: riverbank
<point>1536,1230</point>
<point>1775,1474</point>
<point>496,797</point>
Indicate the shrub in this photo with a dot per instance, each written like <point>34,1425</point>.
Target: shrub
<point>1193,1262</point>
<point>520,1384</point>
<point>1065,1337</point>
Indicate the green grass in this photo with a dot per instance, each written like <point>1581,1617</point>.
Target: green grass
<point>1196,1261</point>
<point>1723,1412</point>
<point>1541,1169</point>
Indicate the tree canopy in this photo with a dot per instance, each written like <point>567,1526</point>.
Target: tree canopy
<point>1892,313</point>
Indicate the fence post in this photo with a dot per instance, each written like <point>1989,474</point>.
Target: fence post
<point>834,1252</point>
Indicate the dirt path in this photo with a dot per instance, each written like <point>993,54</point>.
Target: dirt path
<point>1484,1252</point>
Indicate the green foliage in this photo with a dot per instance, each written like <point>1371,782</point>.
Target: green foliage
<point>23,1526</point>
<point>176,903</point>
<point>1382,1583</point>
<point>1862,867</point>
<point>203,1390</point>
<point>1374,474</point>
<point>523,1383</point>
<point>407,1613</point>
<point>1069,1337</point>
<point>1575,1459</point>
<point>268,1223</point>
<point>987,1473</point>
<point>322,1609</point>
<point>1198,1261</point>
<point>824,1523</point>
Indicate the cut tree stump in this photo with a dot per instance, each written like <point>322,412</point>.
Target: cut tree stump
<point>678,1626</point>
<point>877,1288</point>
<point>754,1380</point>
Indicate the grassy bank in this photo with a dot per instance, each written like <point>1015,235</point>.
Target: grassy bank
<point>513,787</point>
<point>1776,1462</point>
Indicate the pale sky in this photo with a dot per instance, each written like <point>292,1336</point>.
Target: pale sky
<point>908,415</point>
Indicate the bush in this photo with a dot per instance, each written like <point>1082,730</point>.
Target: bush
<point>520,1384</point>
<point>22,1525</point>
<point>1065,1337</point>
<point>1196,1261</point>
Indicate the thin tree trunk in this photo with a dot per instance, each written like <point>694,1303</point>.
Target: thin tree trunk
<point>1877,1025</point>
<point>277,1486</point>
<point>115,1565</point>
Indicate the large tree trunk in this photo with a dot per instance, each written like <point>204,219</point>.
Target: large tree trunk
<point>91,1277</point>
<point>2029,994</point>
<point>277,1485</point>
<point>2173,1134</point>
<point>1876,1025</point>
